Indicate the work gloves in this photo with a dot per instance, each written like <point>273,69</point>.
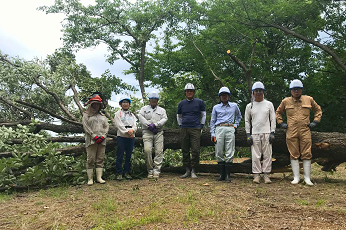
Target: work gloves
<point>312,124</point>
<point>98,139</point>
<point>213,139</point>
<point>283,125</point>
<point>271,137</point>
<point>249,139</point>
<point>152,128</point>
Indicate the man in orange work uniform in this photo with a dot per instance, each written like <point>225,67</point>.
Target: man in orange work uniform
<point>298,136</point>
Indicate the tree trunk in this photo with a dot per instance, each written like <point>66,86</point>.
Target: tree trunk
<point>328,149</point>
<point>141,72</point>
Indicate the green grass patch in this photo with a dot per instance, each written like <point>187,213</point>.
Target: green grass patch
<point>154,216</point>
<point>6,197</point>
<point>302,202</point>
<point>105,205</point>
<point>58,192</point>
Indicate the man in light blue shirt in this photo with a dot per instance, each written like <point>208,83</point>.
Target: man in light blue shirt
<point>222,130</point>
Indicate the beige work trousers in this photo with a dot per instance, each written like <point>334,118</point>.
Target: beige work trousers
<point>95,155</point>
<point>298,140</point>
<point>261,146</point>
<point>150,139</point>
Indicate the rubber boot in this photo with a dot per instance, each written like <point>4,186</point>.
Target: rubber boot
<point>307,171</point>
<point>221,169</point>
<point>90,173</point>
<point>187,173</point>
<point>228,172</point>
<point>295,170</point>
<point>193,174</point>
<point>99,172</point>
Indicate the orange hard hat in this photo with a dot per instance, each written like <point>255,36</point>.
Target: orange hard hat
<point>96,98</point>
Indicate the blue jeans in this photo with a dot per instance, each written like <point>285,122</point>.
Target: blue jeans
<point>124,145</point>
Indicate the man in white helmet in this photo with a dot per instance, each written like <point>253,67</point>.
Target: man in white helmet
<point>260,131</point>
<point>191,117</point>
<point>298,135</point>
<point>152,118</point>
<point>222,130</point>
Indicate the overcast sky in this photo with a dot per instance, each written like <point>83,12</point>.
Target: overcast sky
<point>27,33</point>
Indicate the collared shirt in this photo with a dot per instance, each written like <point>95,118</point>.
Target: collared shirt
<point>148,115</point>
<point>124,118</point>
<point>261,116</point>
<point>224,114</point>
<point>298,111</point>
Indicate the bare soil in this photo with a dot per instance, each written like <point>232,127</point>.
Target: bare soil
<point>174,203</point>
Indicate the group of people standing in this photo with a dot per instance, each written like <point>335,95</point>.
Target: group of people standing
<point>260,124</point>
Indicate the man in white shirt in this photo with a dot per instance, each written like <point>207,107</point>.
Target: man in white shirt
<point>260,130</point>
<point>153,117</point>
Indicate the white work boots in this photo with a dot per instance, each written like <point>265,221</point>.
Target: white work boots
<point>99,172</point>
<point>307,171</point>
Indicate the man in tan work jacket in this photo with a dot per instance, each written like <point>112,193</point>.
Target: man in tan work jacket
<point>298,136</point>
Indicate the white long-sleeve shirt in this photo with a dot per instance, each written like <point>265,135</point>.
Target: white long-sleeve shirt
<point>261,116</point>
<point>148,115</point>
<point>124,120</point>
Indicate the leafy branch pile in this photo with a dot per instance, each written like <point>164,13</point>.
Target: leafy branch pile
<point>36,162</point>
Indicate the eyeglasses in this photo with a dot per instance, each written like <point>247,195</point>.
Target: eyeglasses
<point>296,89</point>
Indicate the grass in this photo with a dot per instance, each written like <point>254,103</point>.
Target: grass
<point>174,203</point>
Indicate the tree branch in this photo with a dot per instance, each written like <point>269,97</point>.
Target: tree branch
<point>48,112</point>
<point>57,99</point>
<point>252,53</point>
<point>216,77</point>
<point>110,117</point>
<point>28,114</point>
<point>336,58</point>
<point>247,71</point>
<point>76,99</point>
<point>237,61</point>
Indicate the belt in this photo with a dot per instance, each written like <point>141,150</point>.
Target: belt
<point>225,124</point>
<point>127,127</point>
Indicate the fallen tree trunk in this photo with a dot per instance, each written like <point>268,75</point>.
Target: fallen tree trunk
<point>328,149</point>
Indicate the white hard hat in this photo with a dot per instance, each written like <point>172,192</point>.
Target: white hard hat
<point>258,85</point>
<point>296,84</point>
<point>124,98</point>
<point>154,95</point>
<point>224,90</point>
<point>189,86</point>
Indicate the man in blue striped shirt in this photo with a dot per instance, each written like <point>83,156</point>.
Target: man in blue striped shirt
<point>222,130</point>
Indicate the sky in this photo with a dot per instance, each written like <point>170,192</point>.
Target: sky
<point>26,32</point>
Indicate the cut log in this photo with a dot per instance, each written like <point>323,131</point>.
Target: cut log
<point>328,149</point>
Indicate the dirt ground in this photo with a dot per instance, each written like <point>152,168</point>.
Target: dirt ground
<point>174,203</point>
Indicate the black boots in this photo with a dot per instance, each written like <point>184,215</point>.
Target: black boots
<point>221,170</point>
<point>228,171</point>
<point>187,173</point>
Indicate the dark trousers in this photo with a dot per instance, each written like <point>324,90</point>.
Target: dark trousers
<point>190,138</point>
<point>124,145</point>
